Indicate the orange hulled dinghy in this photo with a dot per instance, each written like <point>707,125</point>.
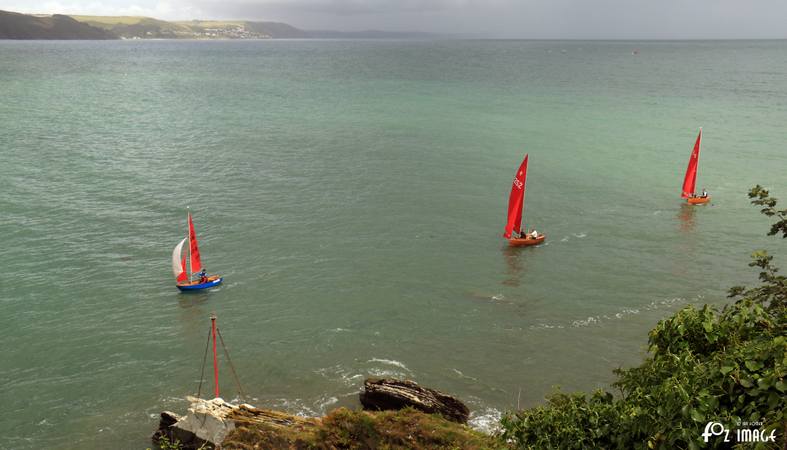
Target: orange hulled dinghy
<point>196,278</point>
<point>516,206</point>
<point>690,180</point>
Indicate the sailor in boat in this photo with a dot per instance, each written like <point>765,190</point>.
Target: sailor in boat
<point>203,276</point>
<point>703,195</point>
<point>528,235</point>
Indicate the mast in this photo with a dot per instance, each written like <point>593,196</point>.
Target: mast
<point>699,145</point>
<point>188,214</point>
<point>523,224</point>
<point>215,359</point>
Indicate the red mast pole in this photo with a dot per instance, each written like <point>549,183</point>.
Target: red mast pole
<point>215,359</point>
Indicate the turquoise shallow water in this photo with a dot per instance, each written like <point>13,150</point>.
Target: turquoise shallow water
<point>353,193</point>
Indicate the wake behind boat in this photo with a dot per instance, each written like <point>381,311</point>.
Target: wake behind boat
<point>690,180</point>
<point>185,279</point>
<point>516,205</point>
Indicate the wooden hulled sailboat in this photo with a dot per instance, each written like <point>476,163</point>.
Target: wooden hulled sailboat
<point>690,180</point>
<point>516,206</point>
<point>185,278</point>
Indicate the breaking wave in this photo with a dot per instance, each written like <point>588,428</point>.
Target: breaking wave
<point>620,315</point>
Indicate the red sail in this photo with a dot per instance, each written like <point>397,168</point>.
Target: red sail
<point>196,264</point>
<point>516,201</point>
<point>183,276</point>
<point>691,171</point>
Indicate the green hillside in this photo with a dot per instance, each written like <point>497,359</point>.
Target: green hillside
<point>131,27</point>
<point>277,30</point>
<point>24,26</point>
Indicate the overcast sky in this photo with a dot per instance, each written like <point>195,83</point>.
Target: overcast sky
<point>568,19</point>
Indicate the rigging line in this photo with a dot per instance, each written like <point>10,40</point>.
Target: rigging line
<point>232,366</point>
<point>204,359</point>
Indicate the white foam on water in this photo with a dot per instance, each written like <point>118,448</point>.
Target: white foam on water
<point>295,406</point>
<point>622,314</point>
<point>390,362</point>
<point>544,326</point>
<point>237,400</point>
<point>459,372</point>
<point>585,322</point>
<point>350,379</point>
<point>347,376</point>
<point>324,402</point>
<point>382,373</point>
<point>486,420</point>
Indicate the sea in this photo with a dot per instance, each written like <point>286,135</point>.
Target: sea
<point>353,196</point>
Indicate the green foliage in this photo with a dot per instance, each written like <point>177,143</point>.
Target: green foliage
<point>727,366</point>
<point>345,429</point>
<point>772,293</point>
<point>567,421</point>
<point>166,444</point>
<point>762,198</point>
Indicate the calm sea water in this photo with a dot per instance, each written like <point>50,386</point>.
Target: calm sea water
<point>353,194</point>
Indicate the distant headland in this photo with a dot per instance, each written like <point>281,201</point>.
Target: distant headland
<point>25,26</point>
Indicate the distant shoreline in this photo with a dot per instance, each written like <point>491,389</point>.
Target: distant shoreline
<point>16,26</point>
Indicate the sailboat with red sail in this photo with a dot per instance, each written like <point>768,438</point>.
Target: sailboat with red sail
<point>185,268</point>
<point>690,180</point>
<point>516,206</point>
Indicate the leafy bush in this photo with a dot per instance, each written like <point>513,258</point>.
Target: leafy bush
<point>725,366</point>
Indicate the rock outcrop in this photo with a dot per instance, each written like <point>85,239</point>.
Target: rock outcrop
<point>382,394</point>
<point>208,422</point>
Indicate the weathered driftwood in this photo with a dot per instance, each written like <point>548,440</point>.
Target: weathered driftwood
<point>208,422</point>
<point>389,394</point>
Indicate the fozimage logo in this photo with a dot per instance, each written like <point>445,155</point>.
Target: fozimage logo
<point>740,435</point>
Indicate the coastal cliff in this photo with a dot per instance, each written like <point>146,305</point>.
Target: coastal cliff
<point>245,427</point>
<point>23,26</point>
<point>26,26</point>
<point>397,414</point>
<point>133,27</point>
